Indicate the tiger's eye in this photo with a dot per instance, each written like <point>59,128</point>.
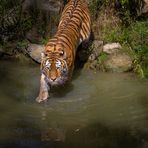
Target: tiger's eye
<point>61,53</point>
<point>46,54</point>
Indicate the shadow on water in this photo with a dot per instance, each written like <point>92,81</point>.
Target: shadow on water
<point>97,135</point>
<point>14,80</point>
<point>92,136</point>
<point>62,90</point>
<point>97,110</point>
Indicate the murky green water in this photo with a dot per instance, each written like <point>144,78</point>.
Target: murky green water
<point>97,110</point>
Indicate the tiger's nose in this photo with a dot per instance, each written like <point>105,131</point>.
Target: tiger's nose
<point>53,78</point>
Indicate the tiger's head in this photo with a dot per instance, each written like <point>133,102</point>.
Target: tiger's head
<point>54,65</point>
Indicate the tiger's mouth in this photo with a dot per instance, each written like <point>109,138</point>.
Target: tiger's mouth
<point>56,82</point>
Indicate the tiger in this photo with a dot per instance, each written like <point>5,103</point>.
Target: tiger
<point>57,59</point>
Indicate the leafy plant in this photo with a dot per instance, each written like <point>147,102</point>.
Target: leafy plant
<point>44,41</point>
<point>102,57</point>
<point>22,44</point>
<point>26,23</point>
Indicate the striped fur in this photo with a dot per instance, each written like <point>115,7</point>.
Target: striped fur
<point>58,58</point>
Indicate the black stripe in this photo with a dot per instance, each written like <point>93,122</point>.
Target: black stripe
<point>75,23</point>
<point>78,17</point>
<point>75,29</point>
<point>69,7</point>
<point>83,12</point>
<point>66,37</point>
<point>71,31</point>
<point>84,25</point>
<point>84,31</point>
<point>50,44</point>
<point>87,28</point>
<point>70,38</point>
<point>53,40</point>
<point>64,42</point>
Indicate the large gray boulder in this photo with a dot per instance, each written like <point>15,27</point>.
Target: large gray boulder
<point>109,57</point>
<point>111,48</point>
<point>120,62</point>
<point>117,60</point>
<point>145,8</point>
<point>34,51</point>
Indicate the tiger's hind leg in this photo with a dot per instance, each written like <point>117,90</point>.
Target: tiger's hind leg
<point>83,51</point>
<point>44,88</point>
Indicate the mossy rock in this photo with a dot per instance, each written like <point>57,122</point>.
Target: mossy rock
<point>120,62</point>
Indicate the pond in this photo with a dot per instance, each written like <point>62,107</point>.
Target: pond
<point>96,110</point>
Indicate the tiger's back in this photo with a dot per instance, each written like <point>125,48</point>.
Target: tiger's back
<point>58,58</point>
<point>76,15</point>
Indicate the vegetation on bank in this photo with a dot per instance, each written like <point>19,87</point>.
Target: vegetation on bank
<point>122,21</point>
<point>113,21</point>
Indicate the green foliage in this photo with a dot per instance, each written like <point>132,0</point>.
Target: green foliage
<point>102,57</point>
<point>123,2</point>
<point>135,37</point>
<point>138,68</point>
<point>117,21</point>
<point>8,4</point>
<point>127,10</point>
<point>138,42</point>
<point>26,23</point>
<point>22,44</point>
<point>94,6</point>
<point>44,41</point>
<point>138,35</point>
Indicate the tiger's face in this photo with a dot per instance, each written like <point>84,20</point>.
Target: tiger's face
<point>54,67</point>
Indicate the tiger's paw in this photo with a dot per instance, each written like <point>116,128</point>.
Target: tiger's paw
<point>42,97</point>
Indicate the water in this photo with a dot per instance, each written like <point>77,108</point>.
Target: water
<point>97,110</point>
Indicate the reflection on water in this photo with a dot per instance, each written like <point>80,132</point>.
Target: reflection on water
<point>97,110</point>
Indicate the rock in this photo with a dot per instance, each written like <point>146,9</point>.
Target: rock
<point>22,58</point>
<point>145,8</point>
<point>10,18</point>
<point>97,46</point>
<point>145,145</point>
<point>34,51</point>
<point>92,57</point>
<point>91,65</point>
<point>111,48</point>
<point>1,52</point>
<point>109,58</point>
<point>8,49</point>
<point>46,16</point>
<point>96,50</point>
<point>118,63</point>
<point>33,35</point>
<point>1,49</point>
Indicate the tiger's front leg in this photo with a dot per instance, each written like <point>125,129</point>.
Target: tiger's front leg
<point>44,88</point>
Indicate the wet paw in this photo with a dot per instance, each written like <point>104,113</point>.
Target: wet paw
<point>42,97</point>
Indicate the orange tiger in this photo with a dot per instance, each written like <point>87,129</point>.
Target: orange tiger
<point>57,62</point>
